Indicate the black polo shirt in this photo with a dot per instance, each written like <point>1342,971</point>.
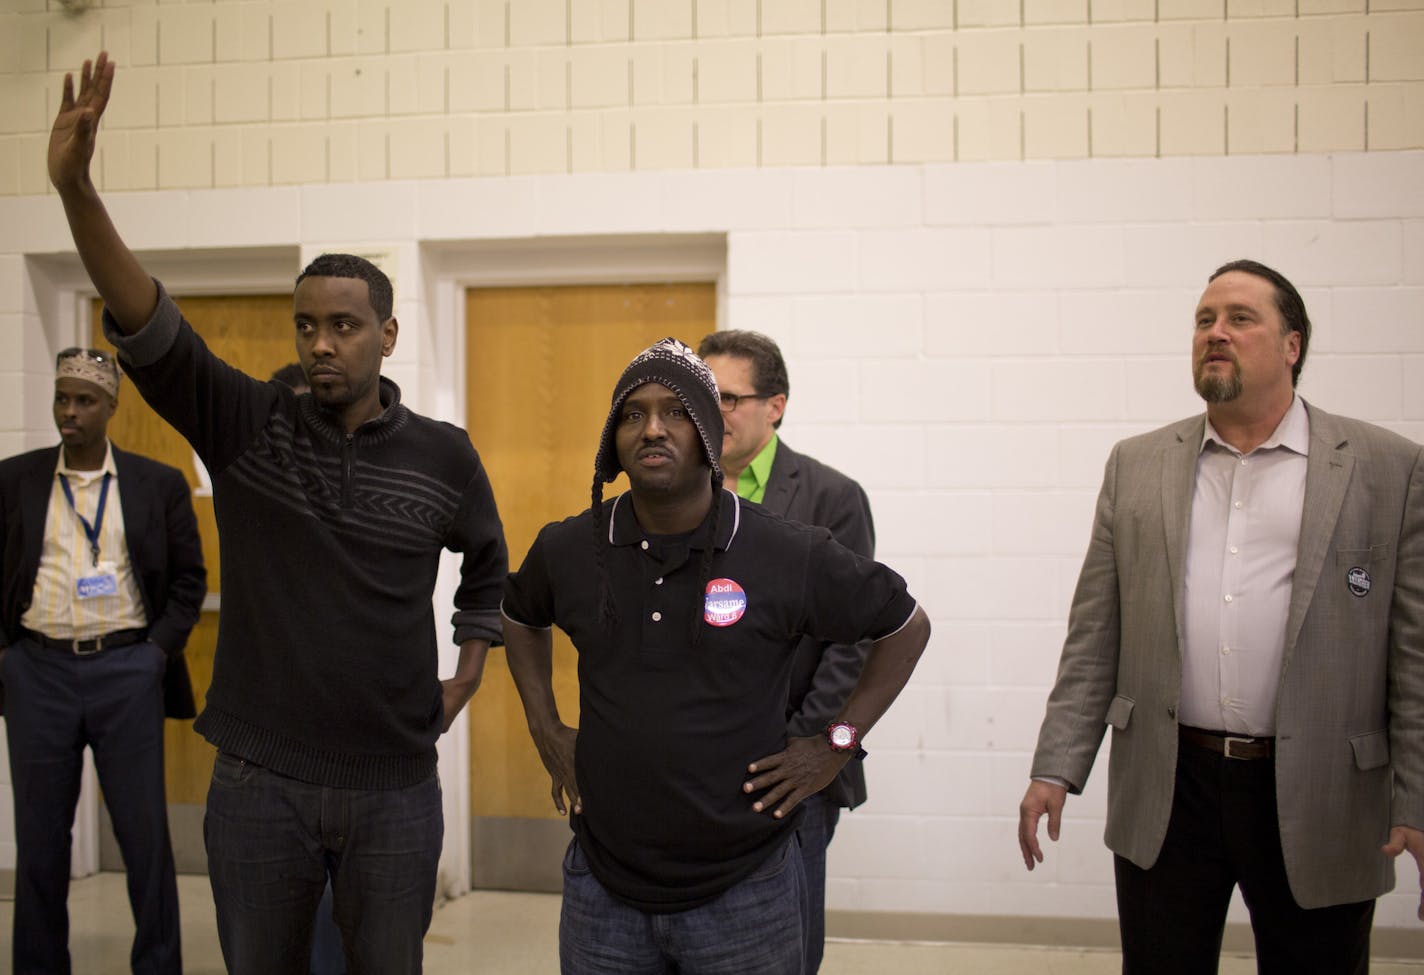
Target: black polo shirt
<point>667,729</point>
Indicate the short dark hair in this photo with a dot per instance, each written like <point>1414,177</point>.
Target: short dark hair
<point>768,367</point>
<point>1288,302</point>
<point>351,266</point>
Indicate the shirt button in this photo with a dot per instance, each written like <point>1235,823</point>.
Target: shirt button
<point>657,617</point>
<point>1228,597</point>
<point>1236,504</point>
<point>1225,701</point>
<point>1243,461</point>
<point>1234,550</point>
<point>1226,651</point>
<point>644,545</point>
<point>658,581</point>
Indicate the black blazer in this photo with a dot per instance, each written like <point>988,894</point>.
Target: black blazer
<point>162,536</point>
<point>801,488</point>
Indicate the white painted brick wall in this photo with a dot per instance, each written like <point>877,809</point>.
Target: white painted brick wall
<point>898,260</point>
<point>1262,187</point>
<point>890,326</point>
<point>1390,185</point>
<point>1413,381</point>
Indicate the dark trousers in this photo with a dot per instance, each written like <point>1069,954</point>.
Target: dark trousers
<point>272,843</point>
<point>817,827</point>
<point>55,705</point>
<point>1224,832</point>
<point>755,927</point>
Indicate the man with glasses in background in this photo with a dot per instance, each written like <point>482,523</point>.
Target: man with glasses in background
<point>751,376</point>
<point>103,581</point>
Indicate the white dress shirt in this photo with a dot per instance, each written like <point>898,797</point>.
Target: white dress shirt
<point>1241,552</point>
<point>66,557</point>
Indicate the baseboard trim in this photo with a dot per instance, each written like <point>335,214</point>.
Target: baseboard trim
<point>185,829</point>
<point>1064,932</point>
<point>518,853</point>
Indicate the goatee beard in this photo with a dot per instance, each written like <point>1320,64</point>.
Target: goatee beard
<point>1219,389</point>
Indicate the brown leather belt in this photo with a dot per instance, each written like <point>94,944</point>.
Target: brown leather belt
<point>82,648</point>
<point>1224,743</point>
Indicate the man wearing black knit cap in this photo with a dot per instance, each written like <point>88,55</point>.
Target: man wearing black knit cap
<point>686,607</point>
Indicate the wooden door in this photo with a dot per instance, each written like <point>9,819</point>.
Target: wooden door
<point>255,334</point>
<point>540,368</point>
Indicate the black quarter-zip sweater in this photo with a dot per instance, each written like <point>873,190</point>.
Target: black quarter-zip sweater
<point>326,664</point>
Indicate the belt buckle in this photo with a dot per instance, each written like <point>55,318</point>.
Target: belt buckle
<point>1228,741</point>
<point>80,652</point>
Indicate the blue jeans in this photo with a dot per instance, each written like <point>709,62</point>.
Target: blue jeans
<point>272,843</point>
<point>817,827</point>
<point>755,927</point>
<point>56,704</point>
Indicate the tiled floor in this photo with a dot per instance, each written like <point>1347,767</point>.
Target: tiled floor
<point>516,934</point>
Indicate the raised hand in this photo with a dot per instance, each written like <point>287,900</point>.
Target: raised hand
<point>75,131</point>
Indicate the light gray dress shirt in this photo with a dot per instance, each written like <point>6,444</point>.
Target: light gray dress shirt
<point>1241,552</point>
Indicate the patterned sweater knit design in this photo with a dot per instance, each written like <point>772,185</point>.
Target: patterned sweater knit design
<point>326,663</point>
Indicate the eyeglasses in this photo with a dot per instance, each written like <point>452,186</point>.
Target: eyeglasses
<point>74,352</point>
<point>730,400</point>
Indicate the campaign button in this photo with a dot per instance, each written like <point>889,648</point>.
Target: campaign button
<point>725,602</point>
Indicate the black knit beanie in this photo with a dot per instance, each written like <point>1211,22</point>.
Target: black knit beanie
<point>677,367</point>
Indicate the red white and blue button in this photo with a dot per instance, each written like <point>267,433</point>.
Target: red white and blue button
<point>725,602</point>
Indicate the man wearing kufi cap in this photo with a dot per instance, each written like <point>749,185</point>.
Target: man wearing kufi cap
<point>686,606</point>
<point>103,581</point>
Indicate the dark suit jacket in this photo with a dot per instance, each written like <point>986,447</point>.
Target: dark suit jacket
<point>162,536</point>
<point>1350,705</point>
<point>803,489</point>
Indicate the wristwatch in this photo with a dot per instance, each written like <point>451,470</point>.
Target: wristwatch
<point>842,736</point>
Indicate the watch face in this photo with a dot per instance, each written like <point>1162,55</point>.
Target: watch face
<point>842,736</point>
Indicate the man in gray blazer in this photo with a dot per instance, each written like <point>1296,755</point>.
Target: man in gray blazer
<point>1250,621</point>
<point>759,466</point>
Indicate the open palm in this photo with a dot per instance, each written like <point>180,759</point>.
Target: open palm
<point>73,137</point>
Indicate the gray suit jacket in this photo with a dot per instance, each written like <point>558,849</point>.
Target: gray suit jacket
<point>1350,708</point>
<point>803,489</point>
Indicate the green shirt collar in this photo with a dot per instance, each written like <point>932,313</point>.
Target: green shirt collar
<point>751,483</point>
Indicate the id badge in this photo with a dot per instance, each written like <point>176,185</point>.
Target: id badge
<point>103,581</point>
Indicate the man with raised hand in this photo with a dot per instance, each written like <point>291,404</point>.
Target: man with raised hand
<point>333,509</point>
